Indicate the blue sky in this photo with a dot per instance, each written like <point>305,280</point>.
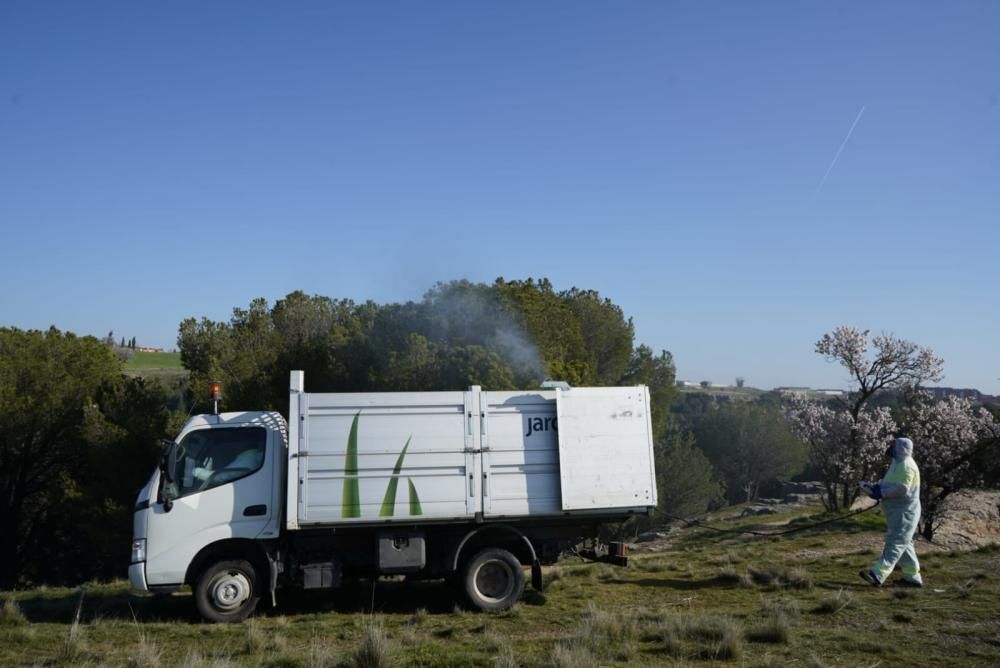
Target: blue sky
<point>166,160</point>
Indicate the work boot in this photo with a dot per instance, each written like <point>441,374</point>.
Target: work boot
<point>870,577</point>
<point>912,581</point>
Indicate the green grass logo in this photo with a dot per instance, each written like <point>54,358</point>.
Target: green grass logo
<point>351,500</point>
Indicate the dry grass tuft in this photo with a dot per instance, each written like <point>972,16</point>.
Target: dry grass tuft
<point>731,575</point>
<point>834,603</point>
<point>147,653</point>
<point>257,640</point>
<point>781,578</point>
<point>601,634</point>
<point>73,646</point>
<point>321,655</point>
<point>374,650</point>
<point>774,628</point>
<point>706,637</point>
<point>965,589</point>
<point>419,617</point>
<point>725,641</point>
<point>789,607</point>
<point>11,615</point>
<point>505,657</point>
<point>572,655</point>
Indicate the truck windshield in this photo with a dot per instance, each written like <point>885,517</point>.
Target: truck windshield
<point>208,458</point>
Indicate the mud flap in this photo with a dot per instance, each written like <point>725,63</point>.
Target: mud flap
<point>536,575</point>
<point>273,581</point>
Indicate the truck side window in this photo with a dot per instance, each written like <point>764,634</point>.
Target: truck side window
<point>208,458</point>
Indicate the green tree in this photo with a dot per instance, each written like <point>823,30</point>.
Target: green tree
<point>552,325</point>
<point>658,373</point>
<point>750,445</point>
<point>122,435</point>
<point>687,481</point>
<point>48,382</point>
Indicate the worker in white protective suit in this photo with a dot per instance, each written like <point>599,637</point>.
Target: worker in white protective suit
<point>899,492</point>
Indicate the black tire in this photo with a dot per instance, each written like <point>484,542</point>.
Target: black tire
<point>227,591</point>
<point>493,580</point>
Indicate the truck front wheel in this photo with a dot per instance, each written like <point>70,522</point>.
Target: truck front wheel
<point>227,591</point>
<point>493,580</point>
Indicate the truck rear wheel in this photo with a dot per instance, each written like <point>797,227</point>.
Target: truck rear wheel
<point>227,591</point>
<point>493,580</point>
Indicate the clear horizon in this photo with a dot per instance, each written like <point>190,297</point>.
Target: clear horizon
<point>740,179</point>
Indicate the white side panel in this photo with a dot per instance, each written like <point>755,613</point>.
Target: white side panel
<point>605,448</point>
<point>520,454</point>
<point>368,477</point>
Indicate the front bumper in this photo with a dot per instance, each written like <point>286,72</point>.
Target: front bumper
<point>137,576</point>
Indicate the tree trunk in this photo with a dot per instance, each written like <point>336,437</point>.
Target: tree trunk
<point>930,514</point>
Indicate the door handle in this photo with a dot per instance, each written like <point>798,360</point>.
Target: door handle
<point>255,511</point>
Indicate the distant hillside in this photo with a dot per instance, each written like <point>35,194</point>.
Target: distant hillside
<point>155,364</point>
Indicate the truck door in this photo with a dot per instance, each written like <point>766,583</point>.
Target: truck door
<point>381,457</point>
<point>221,488</point>
<point>520,453</point>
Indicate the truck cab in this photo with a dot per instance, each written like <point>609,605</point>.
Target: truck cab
<point>216,490</point>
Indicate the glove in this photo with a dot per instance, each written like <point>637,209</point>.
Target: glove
<point>874,490</point>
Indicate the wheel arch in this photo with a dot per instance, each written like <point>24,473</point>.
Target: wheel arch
<point>232,548</point>
<point>499,535</point>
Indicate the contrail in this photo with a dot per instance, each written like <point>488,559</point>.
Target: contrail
<point>839,150</point>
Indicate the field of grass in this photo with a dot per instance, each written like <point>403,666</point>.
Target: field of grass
<point>701,599</point>
<point>140,361</point>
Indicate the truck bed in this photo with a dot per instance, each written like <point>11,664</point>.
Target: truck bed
<point>418,457</point>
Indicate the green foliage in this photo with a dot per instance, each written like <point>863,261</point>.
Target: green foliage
<point>508,335</point>
<point>687,482</point>
<point>750,445</point>
<point>659,373</point>
<point>77,439</point>
<point>48,385</point>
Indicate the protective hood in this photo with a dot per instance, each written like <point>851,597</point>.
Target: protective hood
<point>902,448</point>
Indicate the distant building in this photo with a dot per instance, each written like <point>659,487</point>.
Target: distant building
<point>962,393</point>
<point>793,391</point>
<point>147,349</point>
<point>686,383</point>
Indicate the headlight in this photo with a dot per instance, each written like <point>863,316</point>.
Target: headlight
<point>138,550</point>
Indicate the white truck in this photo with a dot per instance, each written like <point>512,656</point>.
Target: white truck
<point>468,486</point>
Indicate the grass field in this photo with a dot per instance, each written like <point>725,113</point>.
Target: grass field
<point>141,361</point>
<point>699,599</point>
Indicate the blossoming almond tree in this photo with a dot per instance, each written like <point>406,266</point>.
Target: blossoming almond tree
<point>843,448</point>
<point>949,435</point>
<point>846,438</point>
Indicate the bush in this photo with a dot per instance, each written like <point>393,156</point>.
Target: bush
<point>11,615</point>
